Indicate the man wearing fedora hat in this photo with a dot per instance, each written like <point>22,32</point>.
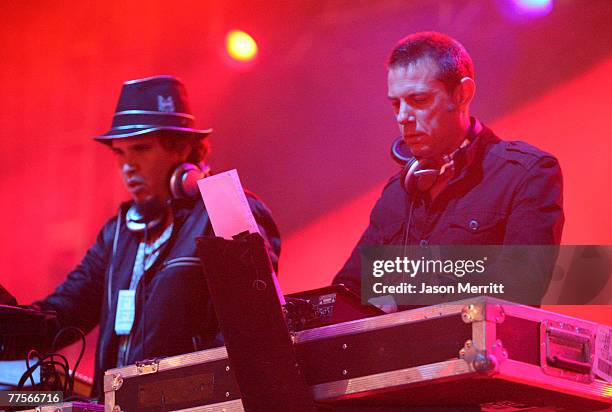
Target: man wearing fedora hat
<point>142,281</point>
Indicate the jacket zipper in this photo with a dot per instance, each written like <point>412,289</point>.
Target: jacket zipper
<point>182,261</point>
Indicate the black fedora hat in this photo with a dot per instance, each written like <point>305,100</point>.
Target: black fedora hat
<point>149,105</point>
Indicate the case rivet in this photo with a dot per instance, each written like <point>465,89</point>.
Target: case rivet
<point>344,346</point>
<point>227,368</point>
<point>116,408</point>
<point>344,371</point>
<point>227,394</point>
<point>117,382</point>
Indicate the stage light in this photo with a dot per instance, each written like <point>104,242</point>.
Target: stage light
<point>533,7</point>
<point>240,46</point>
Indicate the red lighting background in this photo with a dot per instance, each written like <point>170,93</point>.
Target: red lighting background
<point>308,126</point>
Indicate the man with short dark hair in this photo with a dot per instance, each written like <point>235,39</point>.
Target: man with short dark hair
<point>142,281</point>
<point>462,185</point>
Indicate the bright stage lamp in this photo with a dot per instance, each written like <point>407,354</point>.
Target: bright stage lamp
<point>240,46</point>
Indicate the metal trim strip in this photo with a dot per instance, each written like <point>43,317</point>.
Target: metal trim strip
<point>109,400</point>
<point>538,315</point>
<point>380,322</point>
<point>340,389</point>
<point>229,406</point>
<point>479,335</point>
<point>174,362</point>
<point>68,407</point>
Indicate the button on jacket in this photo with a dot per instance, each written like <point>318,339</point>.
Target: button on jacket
<point>502,193</point>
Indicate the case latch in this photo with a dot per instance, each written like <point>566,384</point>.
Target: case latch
<point>567,351</point>
<point>147,367</point>
<point>484,361</point>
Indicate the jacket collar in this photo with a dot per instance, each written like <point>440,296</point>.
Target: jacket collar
<point>471,157</point>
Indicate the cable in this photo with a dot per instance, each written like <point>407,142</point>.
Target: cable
<point>27,362</point>
<point>80,357</point>
<point>48,361</point>
<point>109,291</point>
<point>408,224</point>
<point>43,362</point>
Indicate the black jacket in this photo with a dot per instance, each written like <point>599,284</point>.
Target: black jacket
<point>502,193</point>
<point>178,316</point>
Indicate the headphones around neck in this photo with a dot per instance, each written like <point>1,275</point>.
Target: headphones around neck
<point>415,175</point>
<point>418,176</point>
<point>183,185</point>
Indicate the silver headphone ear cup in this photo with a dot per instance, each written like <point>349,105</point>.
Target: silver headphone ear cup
<point>190,182</point>
<point>407,175</point>
<point>176,178</point>
<point>184,180</point>
<point>417,177</point>
<point>426,179</point>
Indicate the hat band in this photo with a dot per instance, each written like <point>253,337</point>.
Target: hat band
<point>137,118</point>
<point>124,112</point>
<point>136,126</point>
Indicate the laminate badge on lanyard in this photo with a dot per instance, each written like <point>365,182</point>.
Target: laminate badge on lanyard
<point>124,319</point>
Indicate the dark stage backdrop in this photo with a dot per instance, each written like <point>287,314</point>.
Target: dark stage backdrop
<point>308,126</point>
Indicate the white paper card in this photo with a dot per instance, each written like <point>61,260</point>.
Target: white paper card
<point>125,312</point>
<point>229,209</point>
<point>227,205</point>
